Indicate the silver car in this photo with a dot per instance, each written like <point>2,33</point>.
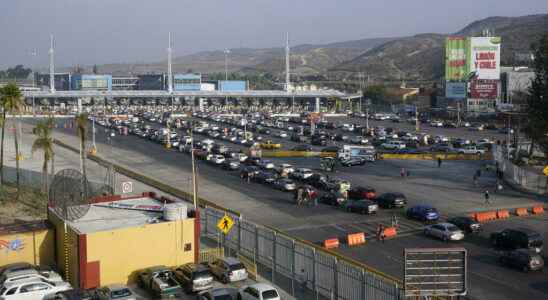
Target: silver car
<point>115,291</point>
<point>444,231</point>
<point>228,269</point>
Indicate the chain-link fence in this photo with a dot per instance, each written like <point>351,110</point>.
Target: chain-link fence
<point>305,271</point>
<point>520,177</point>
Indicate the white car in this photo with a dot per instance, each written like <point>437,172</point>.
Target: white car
<point>302,173</point>
<point>282,134</point>
<point>470,150</point>
<point>30,274</point>
<point>31,289</point>
<point>217,159</point>
<point>444,231</point>
<point>266,164</point>
<point>258,291</point>
<point>393,145</point>
<point>287,168</point>
<point>436,124</point>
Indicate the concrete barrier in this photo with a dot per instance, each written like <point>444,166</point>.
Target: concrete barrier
<point>522,211</point>
<point>331,243</point>
<point>355,239</point>
<point>435,156</point>
<point>297,154</point>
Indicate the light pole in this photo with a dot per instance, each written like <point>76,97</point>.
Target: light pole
<point>226,51</point>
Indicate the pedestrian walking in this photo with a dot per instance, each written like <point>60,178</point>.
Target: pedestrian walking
<point>402,172</point>
<point>394,220</point>
<point>380,233</point>
<point>475,179</point>
<point>487,196</point>
<point>439,162</point>
<point>478,173</point>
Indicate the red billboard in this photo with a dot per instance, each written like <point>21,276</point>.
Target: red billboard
<point>484,89</point>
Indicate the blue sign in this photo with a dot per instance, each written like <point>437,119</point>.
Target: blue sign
<point>455,90</point>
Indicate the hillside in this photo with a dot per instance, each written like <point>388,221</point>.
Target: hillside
<point>421,56</point>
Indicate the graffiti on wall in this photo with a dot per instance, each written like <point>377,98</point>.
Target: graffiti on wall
<point>11,245</point>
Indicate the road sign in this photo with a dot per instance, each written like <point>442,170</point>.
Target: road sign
<point>127,187</point>
<point>545,171</point>
<point>435,272</point>
<point>225,224</point>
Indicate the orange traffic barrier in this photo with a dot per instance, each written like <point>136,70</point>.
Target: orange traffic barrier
<point>522,211</point>
<point>491,215</point>
<point>503,214</point>
<point>331,243</point>
<point>389,232</point>
<point>539,209</point>
<point>356,239</point>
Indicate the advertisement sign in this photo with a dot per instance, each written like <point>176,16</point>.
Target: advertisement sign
<point>455,90</point>
<point>484,89</point>
<point>485,57</point>
<point>456,58</point>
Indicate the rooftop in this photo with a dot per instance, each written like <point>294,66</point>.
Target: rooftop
<point>123,213</point>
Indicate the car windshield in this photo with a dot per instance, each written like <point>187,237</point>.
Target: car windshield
<point>223,297</point>
<point>270,294</point>
<point>236,267</point>
<point>116,294</point>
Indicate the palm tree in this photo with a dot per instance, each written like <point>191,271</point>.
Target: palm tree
<point>44,143</point>
<point>12,102</point>
<point>82,129</point>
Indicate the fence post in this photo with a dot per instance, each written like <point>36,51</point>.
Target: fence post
<point>293,268</point>
<point>205,221</point>
<point>274,258</point>
<point>363,290</point>
<point>239,234</point>
<point>256,250</point>
<point>315,290</point>
<point>335,279</point>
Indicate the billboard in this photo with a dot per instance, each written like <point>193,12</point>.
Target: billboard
<point>484,89</point>
<point>232,85</point>
<point>455,90</point>
<point>435,272</point>
<point>456,58</point>
<point>485,57</point>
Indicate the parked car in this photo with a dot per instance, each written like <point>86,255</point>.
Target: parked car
<point>73,294</point>
<point>31,289</point>
<point>331,198</point>
<point>444,231</point>
<point>515,238</point>
<point>391,200</point>
<point>219,294</point>
<point>425,213</point>
<point>159,281</point>
<point>285,168</point>
<point>318,141</point>
<point>228,269</point>
<point>30,274</point>
<point>361,192</point>
<point>523,259</point>
<point>115,292</point>
<point>362,206</point>
<point>194,277</point>
<point>270,145</point>
<point>258,291</point>
<point>285,184</point>
<point>466,224</point>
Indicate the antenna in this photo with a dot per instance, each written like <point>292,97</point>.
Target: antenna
<point>68,194</point>
<point>51,66</point>
<point>287,77</point>
<point>169,72</point>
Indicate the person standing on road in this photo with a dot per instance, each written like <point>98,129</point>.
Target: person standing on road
<point>487,196</point>
<point>439,162</point>
<point>380,233</point>
<point>394,220</point>
<point>402,173</point>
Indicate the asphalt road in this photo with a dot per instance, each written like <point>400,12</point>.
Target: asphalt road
<point>449,188</point>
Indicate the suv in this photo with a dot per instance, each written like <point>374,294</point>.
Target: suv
<point>423,213</point>
<point>193,277</point>
<point>228,269</point>
<point>523,259</point>
<point>391,200</point>
<point>517,238</point>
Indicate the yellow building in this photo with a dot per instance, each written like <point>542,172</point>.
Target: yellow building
<point>118,237</point>
<point>30,242</point>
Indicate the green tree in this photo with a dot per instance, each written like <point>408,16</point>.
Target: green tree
<point>537,101</point>
<point>44,143</point>
<point>12,102</point>
<point>376,93</point>
<point>82,130</point>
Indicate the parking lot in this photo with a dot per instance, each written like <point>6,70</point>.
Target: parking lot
<point>449,188</point>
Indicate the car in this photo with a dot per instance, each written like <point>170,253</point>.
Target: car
<point>194,277</point>
<point>30,274</point>
<point>9,269</point>
<point>466,224</point>
<point>73,294</point>
<point>515,238</point>
<point>470,150</point>
<point>331,198</point>
<point>228,269</point>
<point>391,200</point>
<point>31,289</point>
<point>217,159</point>
<point>285,184</point>
<point>334,149</point>
<point>302,147</point>
<point>285,169</point>
<point>341,138</point>
<point>115,291</point>
<point>159,281</point>
<point>282,134</point>
<point>218,294</point>
<point>301,173</point>
<point>258,291</point>
<point>361,192</point>
<point>523,259</point>
<point>358,140</point>
<point>425,213</point>
<point>231,164</point>
<point>444,231</point>
<point>393,145</point>
<point>318,140</point>
<point>252,161</point>
<point>265,177</point>
<point>266,164</point>
<point>361,206</point>
<point>353,161</point>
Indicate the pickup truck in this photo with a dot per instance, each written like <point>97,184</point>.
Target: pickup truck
<point>470,150</point>
<point>270,145</point>
<point>159,281</point>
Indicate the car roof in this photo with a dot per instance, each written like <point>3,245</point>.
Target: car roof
<point>22,272</point>
<point>15,265</point>
<point>262,287</point>
<point>23,281</point>
<point>116,286</point>
<point>231,260</point>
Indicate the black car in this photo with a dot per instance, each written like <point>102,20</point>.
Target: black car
<point>466,224</point>
<point>75,294</point>
<point>331,149</point>
<point>252,161</point>
<point>331,198</point>
<point>353,161</point>
<point>265,177</point>
<point>362,206</point>
<point>298,138</point>
<point>523,259</point>
<point>391,200</point>
<point>231,164</point>
<point>318,141</point>
<point>341,138</point>
<point>302,147</point>
<point>516,238</point>
<point>317,180</point>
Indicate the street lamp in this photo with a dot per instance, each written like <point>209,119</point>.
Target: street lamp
<point>226,52</point>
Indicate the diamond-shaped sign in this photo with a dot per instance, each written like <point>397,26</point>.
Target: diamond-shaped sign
<point>225,224</point>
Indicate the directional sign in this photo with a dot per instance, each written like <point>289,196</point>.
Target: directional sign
<point>127,187</point>
<point>225,224</point>
<point>545,171</point>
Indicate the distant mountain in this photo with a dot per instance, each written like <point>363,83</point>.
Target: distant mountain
<point>421,56</point>
<point>410,58</point>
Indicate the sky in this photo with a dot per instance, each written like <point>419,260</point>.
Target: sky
<point>113,31</point>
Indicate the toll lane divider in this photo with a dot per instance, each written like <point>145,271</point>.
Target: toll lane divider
<point>389,232</point>
<point>297,154</point>
<point>485,216</point>
<point>538,209</point>
<point>355,239</point>
<point>331,243</point>
<point>522,211</point>
<point>435,156</point>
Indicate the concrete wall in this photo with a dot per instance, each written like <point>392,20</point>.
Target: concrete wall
<point>34,247</point>
<point>121,253</point>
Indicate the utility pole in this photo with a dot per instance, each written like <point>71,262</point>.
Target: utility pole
<point>227,51</point>
<point>194,177</point>
<point>287,76</point>
<point>169,71</point>
<point>417,122</point>
<point>51,66</point>
<point>458,113</point>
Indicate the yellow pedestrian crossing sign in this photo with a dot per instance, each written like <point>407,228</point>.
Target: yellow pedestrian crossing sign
<point>225,224</point>
<point>545,171</point>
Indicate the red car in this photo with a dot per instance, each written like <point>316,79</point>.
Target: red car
<point>361,192</point>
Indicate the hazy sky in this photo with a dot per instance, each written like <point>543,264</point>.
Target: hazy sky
<point>103,31</point>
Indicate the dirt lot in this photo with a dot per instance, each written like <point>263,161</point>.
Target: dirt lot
<point>30,206</point>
